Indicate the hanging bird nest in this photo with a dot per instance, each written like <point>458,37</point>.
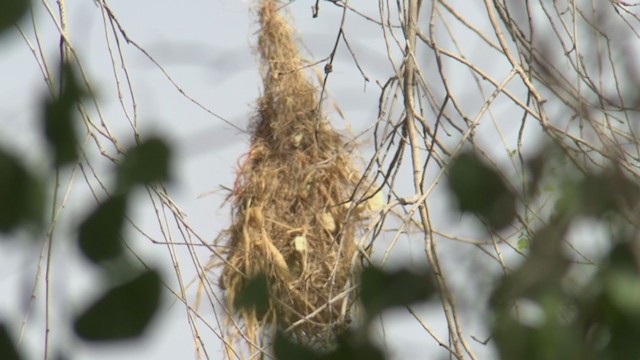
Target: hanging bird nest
<point>292,218</point>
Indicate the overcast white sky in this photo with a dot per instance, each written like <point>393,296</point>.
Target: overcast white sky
<point>207,48</point>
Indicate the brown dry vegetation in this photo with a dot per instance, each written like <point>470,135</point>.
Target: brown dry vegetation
<point>293,218</point>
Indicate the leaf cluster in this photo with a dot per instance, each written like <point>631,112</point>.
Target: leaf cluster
<point>536,314</point>
<point>132,296</point>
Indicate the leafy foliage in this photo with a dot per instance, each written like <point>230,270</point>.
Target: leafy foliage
<point>145,164</point>
<point>553,338</point>
<point>126,309</point>
<point>254,295</point>
<point>100,235</point>
<point>383,290</point>
<point>12,12</point>
<point>285,348</point>
<point>123,312</point>
<point>599,320</point>
<point>58,118</point>
<point>20,194</point>
<point>481,190</point>
<point>7,347</point>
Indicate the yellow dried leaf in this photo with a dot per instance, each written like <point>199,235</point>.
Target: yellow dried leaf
<point>375,203</point>
<point>297,139</point>
<point>328,222</point>
<point>300,243</point>
<point>277,257</point>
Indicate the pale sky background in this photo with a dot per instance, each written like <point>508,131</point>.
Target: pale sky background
<point>207,47</point>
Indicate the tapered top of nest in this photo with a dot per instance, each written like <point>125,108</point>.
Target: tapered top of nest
<point>289,101</point>
<point>275,44</point>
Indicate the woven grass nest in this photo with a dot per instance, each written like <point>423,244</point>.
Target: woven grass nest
<point>292,218</point>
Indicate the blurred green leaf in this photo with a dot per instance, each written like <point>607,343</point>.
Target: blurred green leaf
<point>597,194</point>
<point>254,295</point>
<point>381,290</point>
<point>144,164</point>
<point>12,12</point>
<point>623,291</point>
<point>481,190</point>
<point>536,166</point>
<point>286,349</point>
<point>21,197</point>
<point>8,349</point>
<point>353,346</point>
<point>59,127</point>
<point>592,195</point>
<point>623,331</point>
<point>552,339</point>
<point>100,235</point>
<point>541,272</point>
<point>569,203</point>
<point>617,309</point>
<point>123,312</point>
<point>523,243</point>
<point>611,320</point>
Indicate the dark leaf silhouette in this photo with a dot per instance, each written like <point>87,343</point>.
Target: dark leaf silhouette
<point>480,190</point>
<point>12,12</point>
<point>59,119</point>
<point>123,312</point>
<point>254,295</point>
<point>381,290</point>
<point>147,163</point>
<point>100,235</point>
<point>8,348</point>
<point>20,194</point>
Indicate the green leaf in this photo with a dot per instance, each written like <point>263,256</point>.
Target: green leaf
<point>123,312</point>
<point>286,349</point>
<point>21,197</point>
<point>254,295</point>
<point>352,346</point>
<point>598,194</point>
<point>552,338</point>
<point>100,235</point>
<point>381,290</point>
<point>536,167</point>
<point>623,290</point>
<point>59,119</point>
<point>8,348</point>
<point>611,317</point>
<point>12,12</point>
<point>523,243</point>
<point>541,273</point>
<point>481,190</point>
<point>144,164</point>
